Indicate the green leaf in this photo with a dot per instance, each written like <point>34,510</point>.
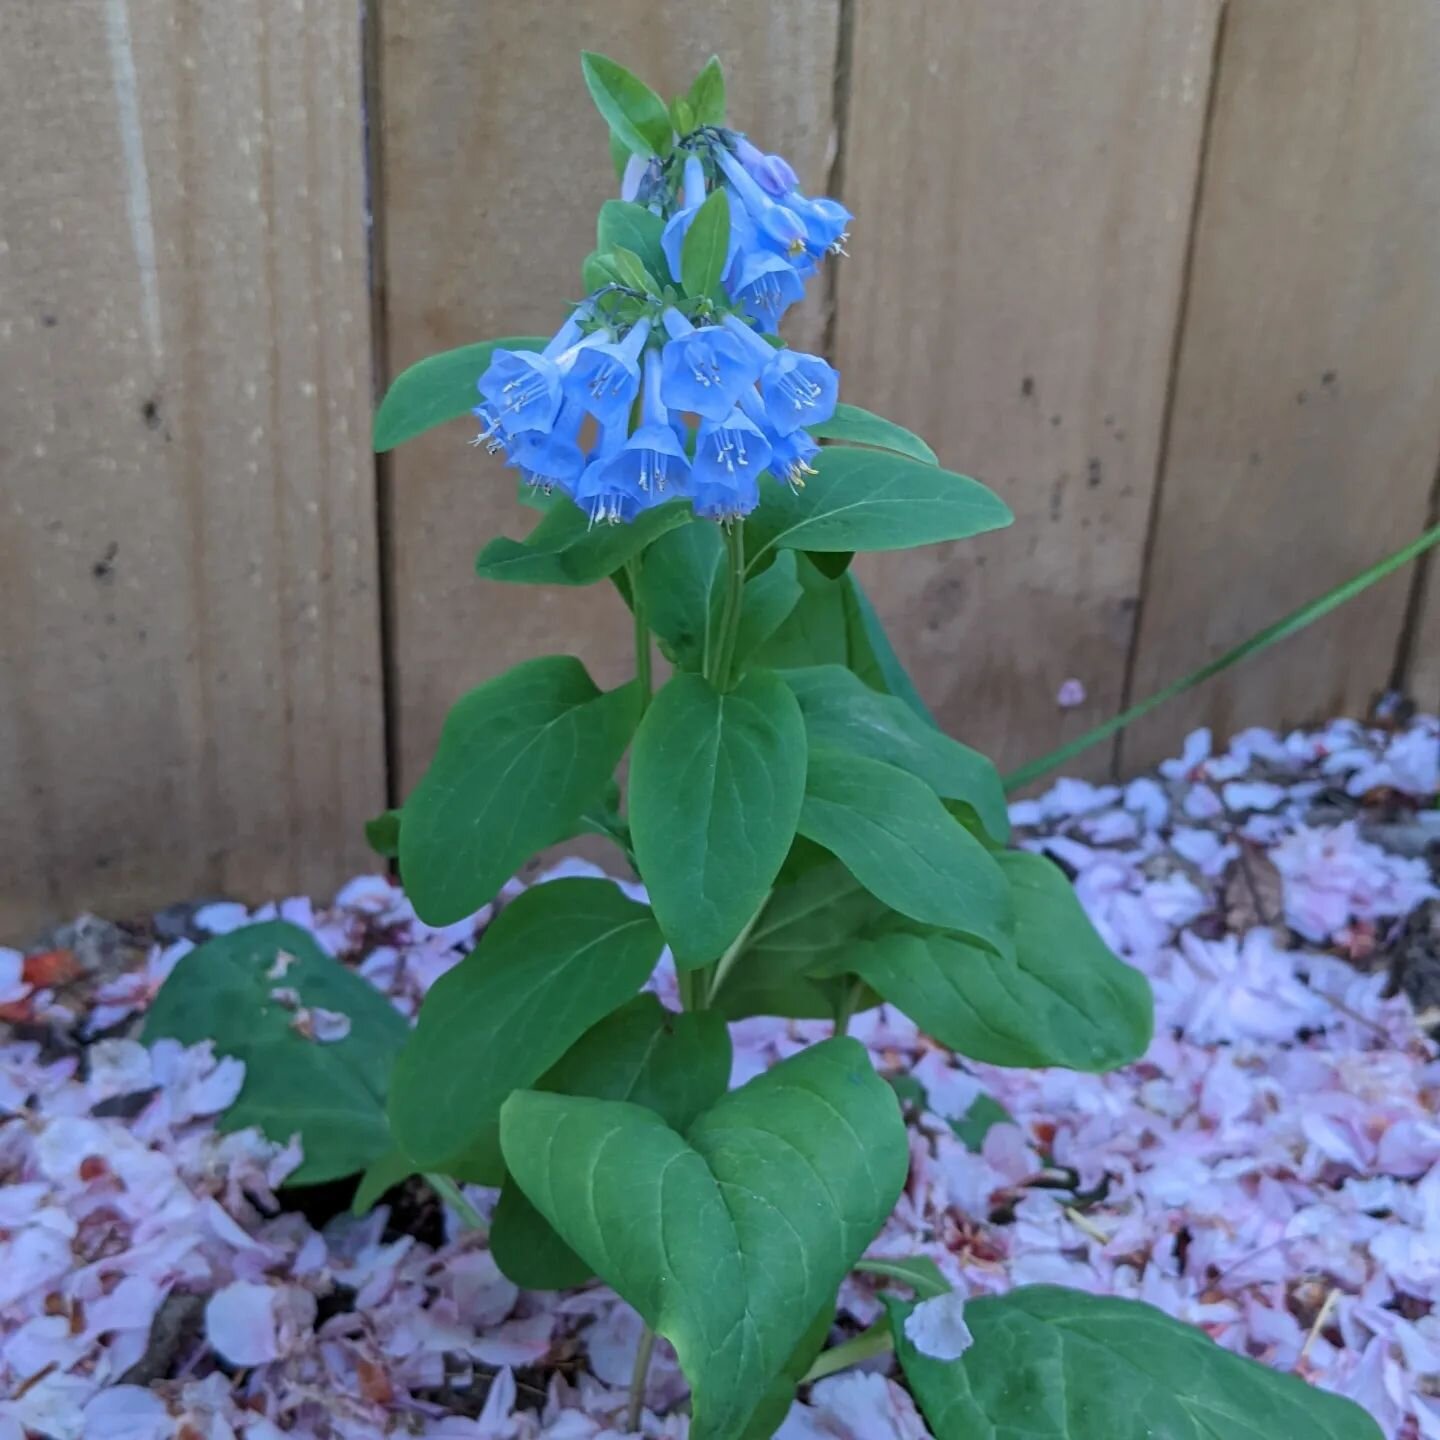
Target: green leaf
<point>1053,1364</point>
<point>842,713</point>
<point>675,1065</point>
<point>683,585</point>
<point>883,670</point>
<point>564,548</point>
<point>382,834</point>
<point>556,960</point>
<point>634,228</point>
<point>596,271</point>
<point>869,500</point>
<point>706,246</point>
<point>439,388</point>
<point>715,788</point>
<point>919,1272</point>
<point>254,993</point>
<point>893,834</point>
<point>1061,998</point>
<point>519,760</point>
<point>707,94</point>
<point>730,1240</point>
<point>682,117</point>
<point>635,114</point>
<point>768,598</point>
<point>772,1410</point>
<point>816,631</point>
<point>975,1124</point>
<point>619,155</point>
<point>381,1175</point>
<point>633,271</point>
<point>859,427</point>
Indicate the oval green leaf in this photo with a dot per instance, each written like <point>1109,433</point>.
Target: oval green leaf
<point>439,388</point>
<point>520,759</point>
<point>564,548</point>
<point>843,713</point>
<point>633,228</point>
<point>871,500</point>
<point>1053,1364</point>
<point>635,114</point>
<point>860,427</point>
<point>731,1239</point>
<point>1061,998</point>
<point>255,993</point>
<point>556,960</point>
<point>706,246</point>
<point>675,1065</point>
<point>716,782</point>
<point>893,834</point>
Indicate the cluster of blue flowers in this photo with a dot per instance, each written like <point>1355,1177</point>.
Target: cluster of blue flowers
<point>679,409</point>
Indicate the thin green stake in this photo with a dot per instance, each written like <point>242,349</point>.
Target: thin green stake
<point>1297,620</point>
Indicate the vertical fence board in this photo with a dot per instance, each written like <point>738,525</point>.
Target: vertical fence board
<point>1307,404</point>
<point>493,165</point>
<point>189,698</point>
<point>1022,177</point>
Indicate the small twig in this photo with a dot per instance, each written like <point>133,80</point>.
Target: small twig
<point>1086,1226</point>
<point>1327,1305</point>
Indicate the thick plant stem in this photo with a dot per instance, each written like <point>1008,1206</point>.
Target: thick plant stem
<point>642,635</point>
<point>874,1341</point>
<point>454,1197</point>
<point>638,1377</point>
<point>734,595</point>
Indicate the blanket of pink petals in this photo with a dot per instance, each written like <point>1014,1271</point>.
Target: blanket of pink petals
<point>1270,1171</point>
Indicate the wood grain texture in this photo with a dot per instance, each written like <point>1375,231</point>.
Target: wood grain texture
<point>1307,405</point>
<point>1022,177</point>
<point>189,658</point>
<point>493,166</point>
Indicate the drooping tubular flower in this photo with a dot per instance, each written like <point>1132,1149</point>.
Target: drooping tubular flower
<point>725,474</point>
<point>798,389</point>
<point>651,466</point>
<point>552,459</point>
<point>521,389</point>
<point>605,375</point>
<point>704,370</point>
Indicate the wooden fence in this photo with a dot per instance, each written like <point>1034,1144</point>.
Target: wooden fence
<point>1165,273</point>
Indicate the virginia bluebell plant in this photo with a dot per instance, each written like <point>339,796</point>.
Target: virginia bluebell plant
<point>810,845</point>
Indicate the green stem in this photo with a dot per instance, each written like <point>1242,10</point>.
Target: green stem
<point>1280,630</point>
<point>730,615</point>
<point>725,963</point>
<point>845,1007</point>
<point>642,635</point>
<point>638,1377</point>
<point>874,1341</point>
<point>454,1197</point>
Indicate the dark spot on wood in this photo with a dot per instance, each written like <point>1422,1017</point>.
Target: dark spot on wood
<point>104,568</point>
<point>1254,457</point>
<point>1119,434</point>
<point>1329,378</point>
<point>1027,386</point>
<point>1302,397</point>
<point>1094,472</point>
<point>1130,603</point>
<point>150,413</point>
<point>1108,421</point>
<point>49,321</point>
<point>1054,419</point>
<point>1127,490</point>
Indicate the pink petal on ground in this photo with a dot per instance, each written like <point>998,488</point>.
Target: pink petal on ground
<point>241,1323</point>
